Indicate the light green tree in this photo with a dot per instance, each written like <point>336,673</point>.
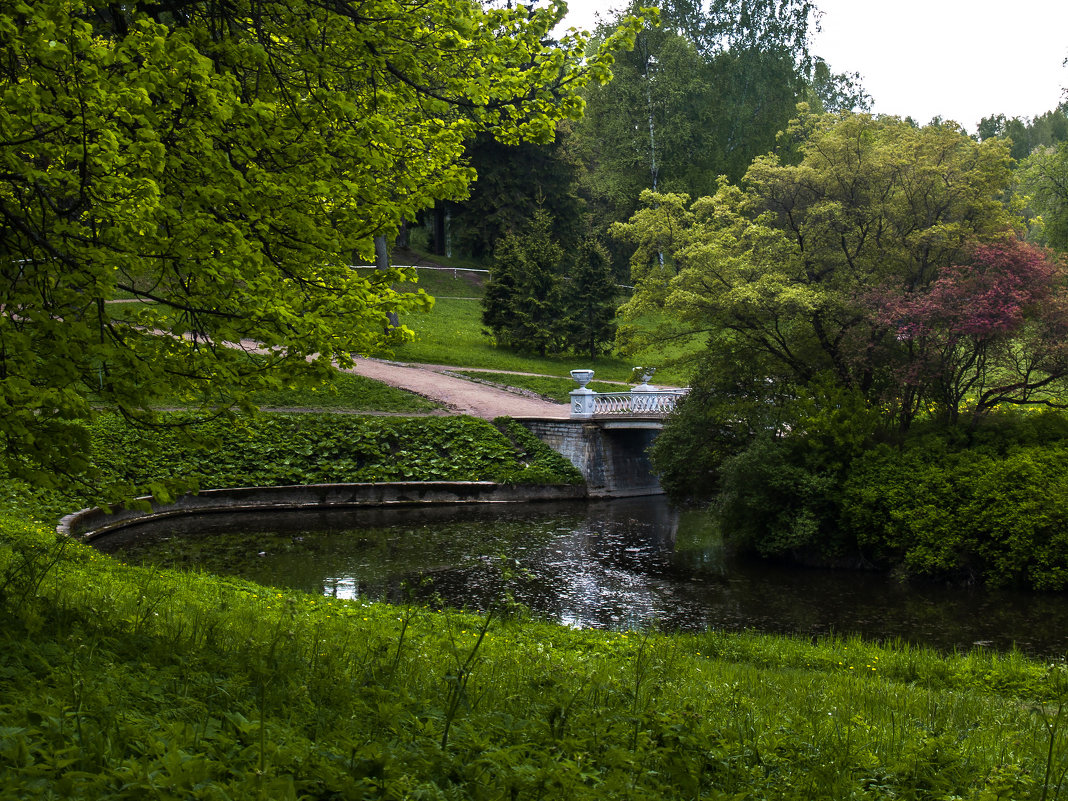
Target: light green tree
<point>1043,179</point>
<point>800,265</point>
<point>866,276</point>
<point>221,163</point>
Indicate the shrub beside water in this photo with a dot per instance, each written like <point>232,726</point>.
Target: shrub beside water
<point>986,505</point>
<point>971,515</point>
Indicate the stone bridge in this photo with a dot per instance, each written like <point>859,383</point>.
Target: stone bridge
<point>644,406</point>
<point>609,434</point>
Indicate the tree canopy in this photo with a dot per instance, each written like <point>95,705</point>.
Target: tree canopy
<point>1043,180</point>
<point>701,96</point>
<point>1043,130</point>
<point>222,163</point>
<point>870,256</point>
<point>514,181</point>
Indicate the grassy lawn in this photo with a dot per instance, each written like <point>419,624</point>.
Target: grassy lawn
<point>556,389</point>
<point>346,393</point>
<point>451,333</point>
<point>458,282</point>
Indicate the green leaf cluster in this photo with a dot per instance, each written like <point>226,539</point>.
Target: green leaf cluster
<point>514,181</point>
<point>967,506</point>
<point>1043,181</point>
<point>700,96</point>
<point>990,513</point>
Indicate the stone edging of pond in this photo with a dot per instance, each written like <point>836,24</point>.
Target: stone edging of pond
<point>87,524</point>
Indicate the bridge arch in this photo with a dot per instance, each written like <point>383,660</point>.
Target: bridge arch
<point>609,433</point>
<point>612,455</point>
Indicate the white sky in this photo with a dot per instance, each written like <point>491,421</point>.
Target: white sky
<point>959,59</point>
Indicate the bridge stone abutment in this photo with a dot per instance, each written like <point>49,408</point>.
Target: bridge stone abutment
<point>614,460</point>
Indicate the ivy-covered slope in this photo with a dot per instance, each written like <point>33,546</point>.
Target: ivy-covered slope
<point>281,449</point>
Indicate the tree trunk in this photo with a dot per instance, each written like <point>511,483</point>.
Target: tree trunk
<point>437,238</point>
<point>382,263</point>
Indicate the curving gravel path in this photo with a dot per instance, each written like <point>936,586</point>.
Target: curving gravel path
<point>462,397</point>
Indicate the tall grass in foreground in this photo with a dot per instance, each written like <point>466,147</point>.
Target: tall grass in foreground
<point>128,682</point>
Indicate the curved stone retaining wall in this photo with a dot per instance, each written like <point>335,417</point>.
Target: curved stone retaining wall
<point>88,524</point>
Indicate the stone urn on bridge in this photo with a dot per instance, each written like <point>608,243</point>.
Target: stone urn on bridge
<point>583,399</point>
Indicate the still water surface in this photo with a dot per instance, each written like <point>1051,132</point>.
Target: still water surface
<point>602,564</point>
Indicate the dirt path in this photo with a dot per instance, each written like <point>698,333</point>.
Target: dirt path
<point>462,397</point>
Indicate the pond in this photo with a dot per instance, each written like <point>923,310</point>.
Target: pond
<point>598,564</point>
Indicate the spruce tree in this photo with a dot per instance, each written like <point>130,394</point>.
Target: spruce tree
<point>591,301</point>
<point>523,303</point>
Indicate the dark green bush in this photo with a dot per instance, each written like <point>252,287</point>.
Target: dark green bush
<point>729,401</point>
<point>771,502</point>
<point>986,504</point>
<point>780,496</point>
<point>968,515</point>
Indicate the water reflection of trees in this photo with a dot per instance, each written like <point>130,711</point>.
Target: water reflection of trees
<point>612,564</point>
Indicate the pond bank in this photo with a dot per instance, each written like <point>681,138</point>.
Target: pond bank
<point>87,524</point>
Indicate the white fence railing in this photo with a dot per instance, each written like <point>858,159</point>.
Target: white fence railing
<point>637,402</point>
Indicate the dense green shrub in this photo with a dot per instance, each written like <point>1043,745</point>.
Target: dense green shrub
<point>986,504</point>
<point>976,514</point>
<point>688,452</point>
<point>776,503</point>
<point>281,449</point>
<point>780,493</point>
<point>727,404</point>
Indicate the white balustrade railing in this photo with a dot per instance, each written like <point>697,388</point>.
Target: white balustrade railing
<point>649,402</point>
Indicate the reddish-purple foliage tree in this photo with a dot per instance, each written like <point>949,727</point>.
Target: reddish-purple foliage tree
<point>989,331</point>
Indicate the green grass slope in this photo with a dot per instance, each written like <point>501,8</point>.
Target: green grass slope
<point>122,682</point>
<point>452,333</point>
